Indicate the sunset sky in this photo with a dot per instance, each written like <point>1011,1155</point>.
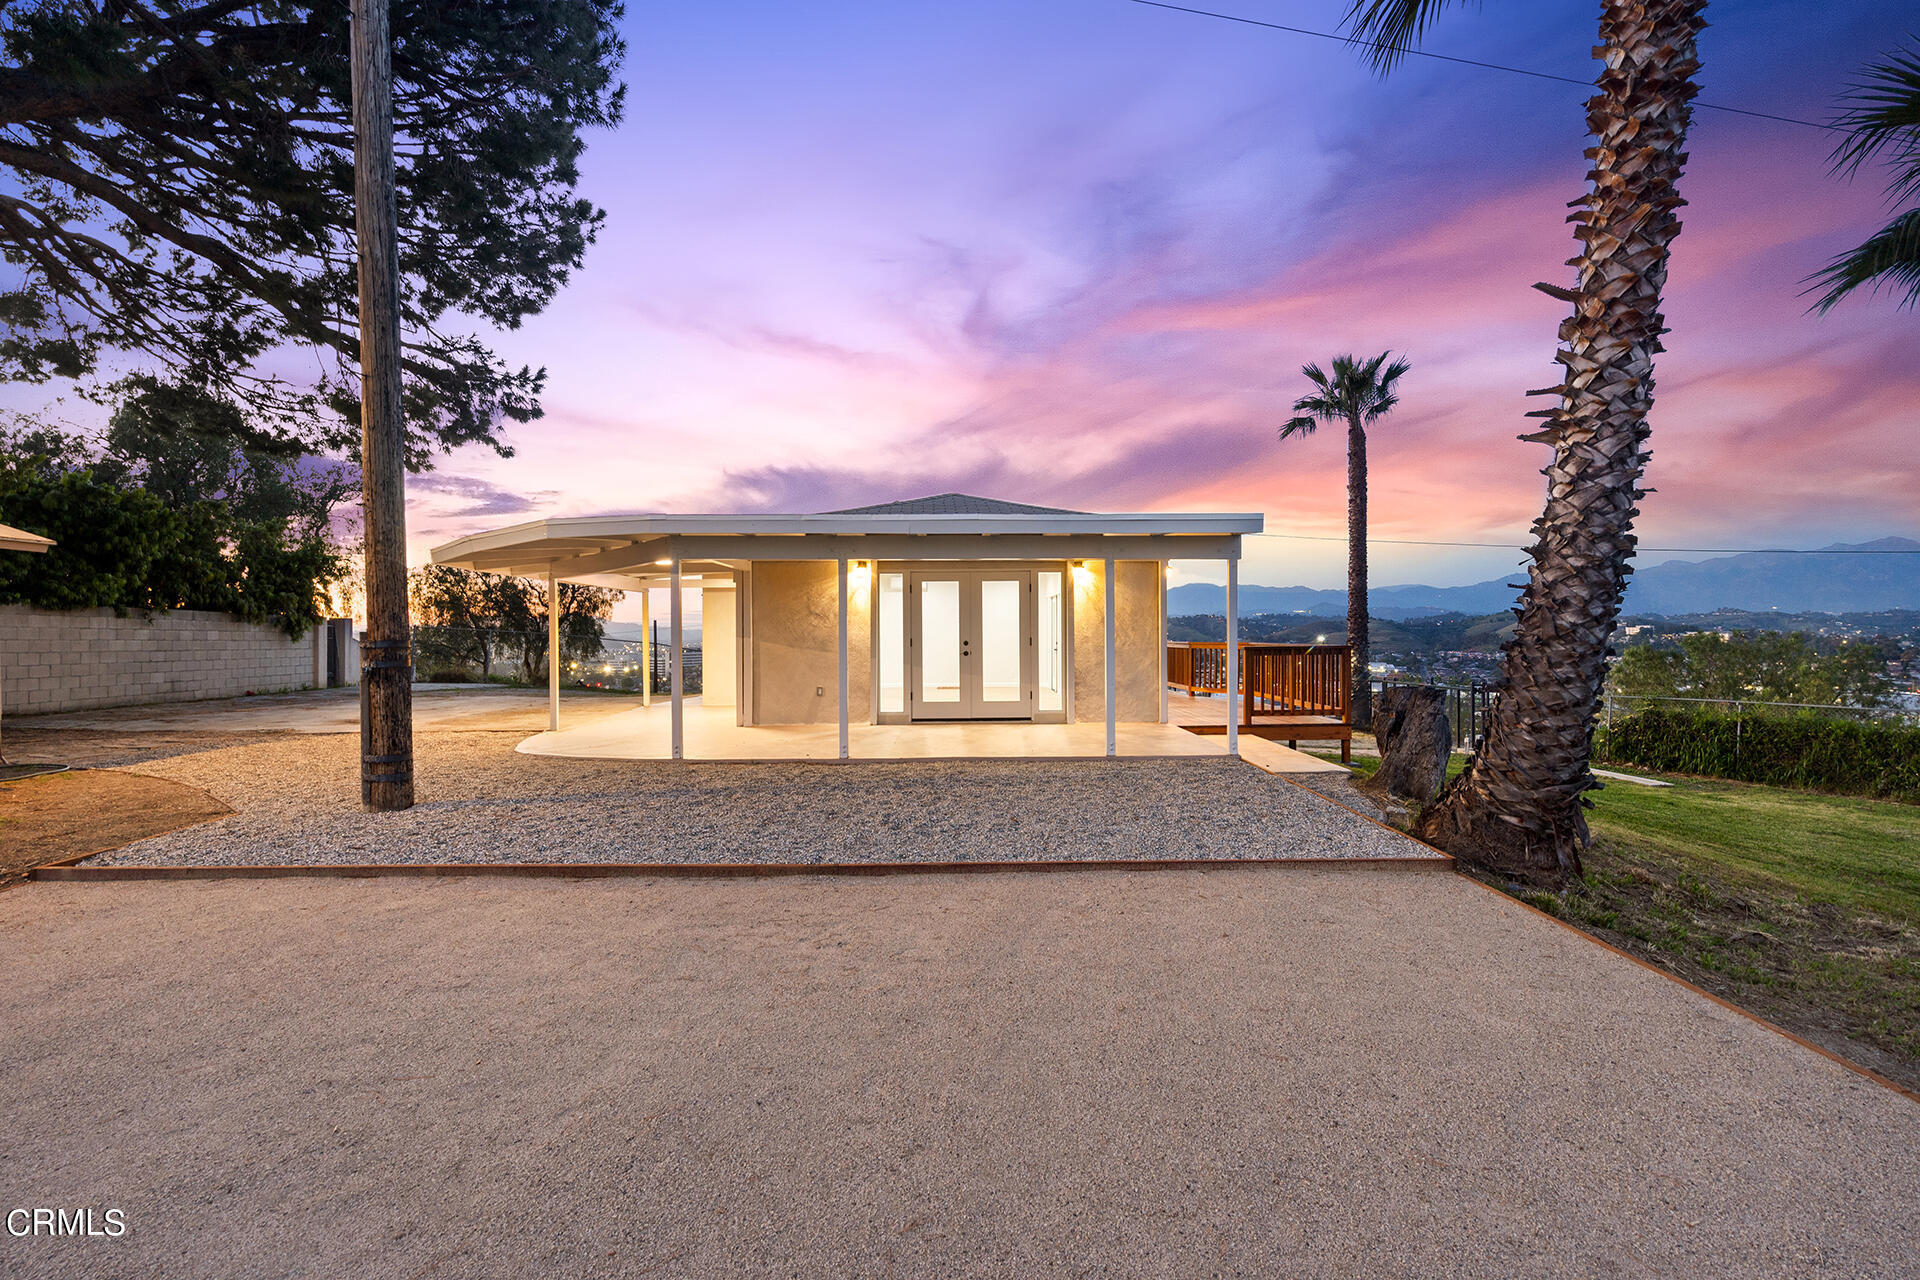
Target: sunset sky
<point>1074,252</point>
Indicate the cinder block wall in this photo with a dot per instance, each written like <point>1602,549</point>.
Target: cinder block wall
<point>69,660</point>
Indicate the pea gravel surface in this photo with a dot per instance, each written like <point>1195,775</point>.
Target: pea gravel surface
<point>296,802</point>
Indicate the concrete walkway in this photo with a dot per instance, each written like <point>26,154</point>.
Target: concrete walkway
<point>1244,1072</point>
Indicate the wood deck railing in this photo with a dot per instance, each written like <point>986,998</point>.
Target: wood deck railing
<point>1275,679</point>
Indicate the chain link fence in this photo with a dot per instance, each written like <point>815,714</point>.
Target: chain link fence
<point>1618,706</point>
<point>462,655</point>
<point>1469,705</point>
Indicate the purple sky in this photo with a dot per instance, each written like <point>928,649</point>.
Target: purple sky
<point>1075,253</point>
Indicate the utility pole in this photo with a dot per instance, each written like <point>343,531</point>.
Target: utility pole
<point>386,672</point>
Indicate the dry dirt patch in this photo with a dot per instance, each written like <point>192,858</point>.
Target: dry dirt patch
<point>58,816</point>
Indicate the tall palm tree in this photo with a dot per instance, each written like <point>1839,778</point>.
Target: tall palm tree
<point>1883,120</point>
<point>1357,393</point>
<point>1519,807</point>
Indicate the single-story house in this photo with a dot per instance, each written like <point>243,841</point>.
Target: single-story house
<point>937,609</point>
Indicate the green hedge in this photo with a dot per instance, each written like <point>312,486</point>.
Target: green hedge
<point>1812,752</point>
<point>127,549</point>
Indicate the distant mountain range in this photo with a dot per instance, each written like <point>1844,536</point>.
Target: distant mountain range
<point>1865,581</point>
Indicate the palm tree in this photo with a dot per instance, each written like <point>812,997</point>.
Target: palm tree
<point>1358,393</point>
<point>1884,118</point>
<point>1518,808</point>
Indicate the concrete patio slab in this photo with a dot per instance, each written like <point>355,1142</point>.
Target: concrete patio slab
<point>710,733</point>
<point>1314,1072</point>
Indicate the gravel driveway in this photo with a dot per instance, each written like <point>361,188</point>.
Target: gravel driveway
<point>297,802</point>
<point>1253,1071</point>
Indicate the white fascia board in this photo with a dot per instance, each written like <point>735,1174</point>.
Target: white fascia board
<point>615,530</point>
<point>12,539</point>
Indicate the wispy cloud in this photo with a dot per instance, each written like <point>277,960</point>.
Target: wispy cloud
<point>1089,279</point>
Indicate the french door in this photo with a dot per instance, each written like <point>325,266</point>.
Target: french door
<point>970,646</point>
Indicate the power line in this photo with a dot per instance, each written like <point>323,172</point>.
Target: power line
<point>1717,551</point>
<point>1465,62</point>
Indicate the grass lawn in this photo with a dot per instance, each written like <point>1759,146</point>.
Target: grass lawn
<point>1804,908</point>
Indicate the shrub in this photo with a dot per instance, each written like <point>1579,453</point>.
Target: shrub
<point>1812,752</point>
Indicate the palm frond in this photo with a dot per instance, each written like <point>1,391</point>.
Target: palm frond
<point>1389,28</point>
<point>1890,258</point>
<point>1884,120</point>
<point>1354,387</point>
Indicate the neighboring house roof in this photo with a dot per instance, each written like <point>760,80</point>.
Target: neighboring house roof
<point>623,551</point>
<point>954,504</point>
<point>12,539</point>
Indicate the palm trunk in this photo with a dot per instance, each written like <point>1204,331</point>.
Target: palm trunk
<point>1519,809</point>
<point>1357,639</point>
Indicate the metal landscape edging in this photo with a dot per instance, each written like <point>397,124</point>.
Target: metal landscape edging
<point>690,870</point>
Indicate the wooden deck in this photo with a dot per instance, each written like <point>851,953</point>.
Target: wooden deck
<point>1288,693</point>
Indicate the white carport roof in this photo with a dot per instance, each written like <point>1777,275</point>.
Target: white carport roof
<point>12,539</point>
<point>626,551</point>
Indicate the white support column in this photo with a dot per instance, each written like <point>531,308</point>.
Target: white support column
<point>646,629</point>
<point>1163,642</point>
<point>1113,737</point>
<point>1233,657</point>
<point>844,685</point>
<point>553,653</point>
<point>673,661</point>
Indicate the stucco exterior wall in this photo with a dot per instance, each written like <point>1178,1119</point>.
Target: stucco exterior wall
<point>796,646</point>
<point>1136,641</point>
<point>717,647</point>
<point>73,659</point>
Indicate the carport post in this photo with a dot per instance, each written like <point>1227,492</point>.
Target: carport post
<point>843,658</point>
<point>1113,738</point>
<point>673,661</point>
<point>553,653</point>
<point>1163,641</point>
<point>1233,656</point>
<point>646,629</point>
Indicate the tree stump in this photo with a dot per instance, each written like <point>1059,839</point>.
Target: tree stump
<point>1410,724</point>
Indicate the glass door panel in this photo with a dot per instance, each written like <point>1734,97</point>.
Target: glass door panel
<point>970,643</point>
<point>940,648</point>
<point>999,641</point>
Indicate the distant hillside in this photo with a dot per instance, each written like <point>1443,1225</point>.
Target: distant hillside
<point>1830,583</point>
<point>1437,633</point>
<point>634,633</point>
